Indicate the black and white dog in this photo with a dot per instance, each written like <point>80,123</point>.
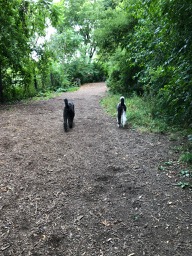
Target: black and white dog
<point>68,114</point>
<point>121,112</point>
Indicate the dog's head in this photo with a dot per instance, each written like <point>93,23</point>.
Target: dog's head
<point>66,102</point>
<point>122,99</point>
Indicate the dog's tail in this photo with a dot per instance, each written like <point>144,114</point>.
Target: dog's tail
<point>123,118</point>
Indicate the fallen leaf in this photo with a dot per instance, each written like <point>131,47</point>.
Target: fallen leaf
<point>106,223</point>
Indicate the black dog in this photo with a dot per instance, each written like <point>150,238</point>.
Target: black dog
<point>68,114</point>
<point>121,112</point>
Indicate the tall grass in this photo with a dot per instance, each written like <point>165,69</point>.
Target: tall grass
<point>138,113</point>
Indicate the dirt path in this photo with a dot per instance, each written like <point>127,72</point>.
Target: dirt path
<point>94,191</point>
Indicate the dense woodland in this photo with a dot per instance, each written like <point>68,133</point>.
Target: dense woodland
<point>141,47</point>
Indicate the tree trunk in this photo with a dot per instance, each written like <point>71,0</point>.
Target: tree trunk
<point>52,80</point>
<point>35,82</point>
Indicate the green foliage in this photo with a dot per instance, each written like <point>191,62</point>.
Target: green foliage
<point>121,77</point>
<point>186,157</point>
<point>148,45</point>
<point>113,36</point>
<point>116,28</point>
<point>86,72</point>
<point>18,93</point>
<point>174,99</point>
<point>22,23</point>
<point>73,45</point>
<point>81,18</point>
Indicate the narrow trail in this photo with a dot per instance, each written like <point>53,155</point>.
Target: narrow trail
<point>95,190</point>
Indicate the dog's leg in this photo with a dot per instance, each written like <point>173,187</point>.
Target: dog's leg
<point>70,122</point>
<point>65,121</point>
<point>119,117</point>
<point>65,126</point>
<point>71,116</point>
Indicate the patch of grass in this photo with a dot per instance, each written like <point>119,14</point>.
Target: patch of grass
<point>138,113</point>
<point>73,89</point>
<point>110,104</point>
<point>186,152</point>
<point>52,94</point>
<point>45,95</point>
<point>186,157</point>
